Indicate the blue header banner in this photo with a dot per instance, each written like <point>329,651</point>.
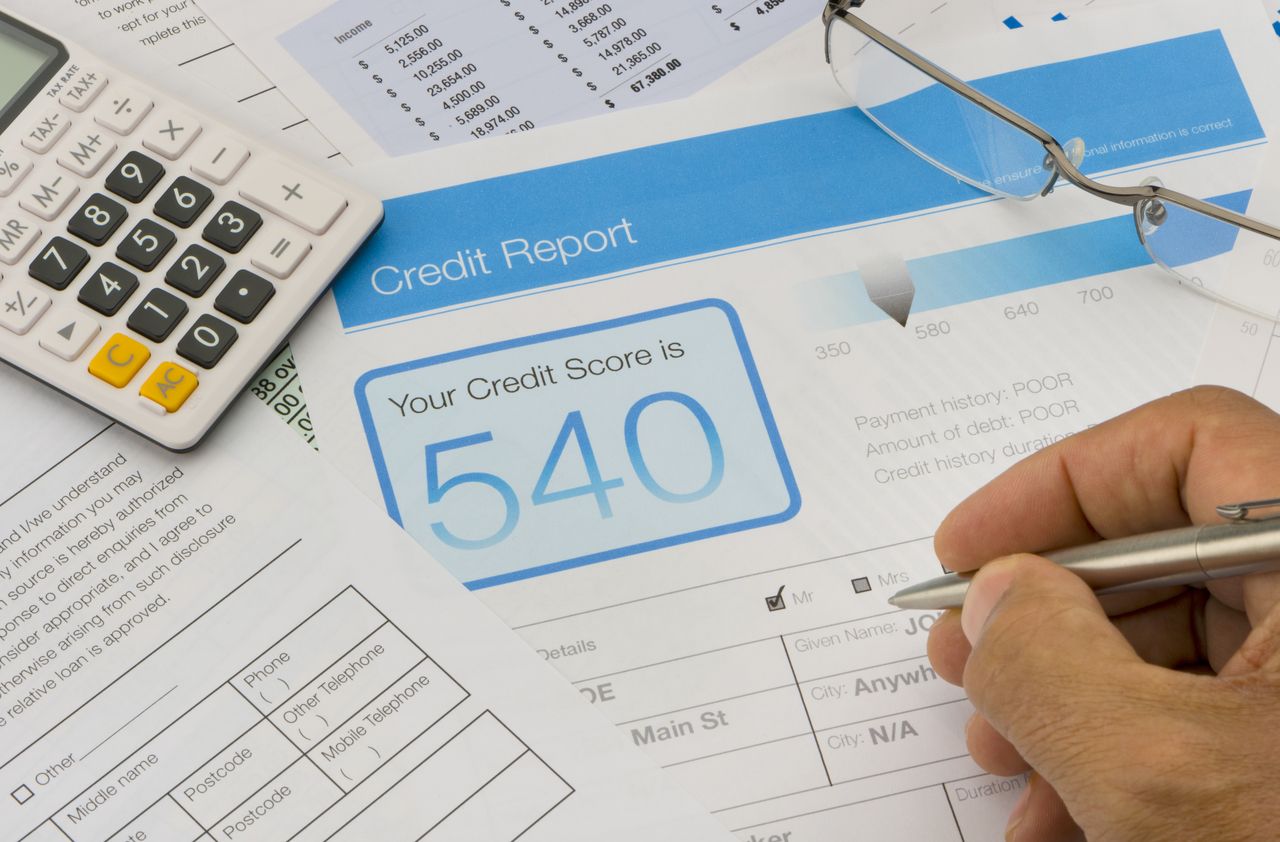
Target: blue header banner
<point>520,233</point>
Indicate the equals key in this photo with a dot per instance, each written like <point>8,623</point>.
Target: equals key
<point>279,250</point>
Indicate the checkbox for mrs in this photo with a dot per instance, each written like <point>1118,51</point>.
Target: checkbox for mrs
<point>22,794</point>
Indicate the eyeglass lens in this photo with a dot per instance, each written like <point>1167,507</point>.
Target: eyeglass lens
<point>985,150</point>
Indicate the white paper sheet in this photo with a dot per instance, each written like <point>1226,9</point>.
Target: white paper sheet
<point>703,540</point>
<point>1241,350</point>
<point>235,645</point>
<point>398,76</point>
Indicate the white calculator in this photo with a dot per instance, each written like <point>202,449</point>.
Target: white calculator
<point>151,258</point>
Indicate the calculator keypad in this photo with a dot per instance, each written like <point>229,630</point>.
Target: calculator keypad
<point>146,245</point>
<point>183,202</point>
<point>119,360</point>
<point>124,110</point>
<point>83,89</point>
<point>66,334</point>
<point>207,341</point>
<point>232,227</point>
<point>14,170</point>
<point>21,306</point>
<point>218,158</point>
<point>97,219</point>
<point>47,131</point>
<point>171,133</point>
<point>85,152</point>
<point>135,177</point>
<point>195,271</point>
<point>137,245</point>
<point>58,263</point>
<point>244,298</point>
<point>17,236</point>
<point>169,386</point>
<point>48,193</point>
<point>108,289</point>
<point>157,315</point>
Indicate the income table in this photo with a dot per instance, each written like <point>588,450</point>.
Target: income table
<point>298,730</point>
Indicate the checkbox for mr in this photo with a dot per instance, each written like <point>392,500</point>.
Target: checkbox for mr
<point>776,602</point>
<point>22,794</point>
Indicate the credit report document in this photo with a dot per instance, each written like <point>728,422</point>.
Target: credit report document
<point>235,645</point>
<point>644,385</point>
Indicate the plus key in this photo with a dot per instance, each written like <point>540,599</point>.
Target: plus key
<point>301,200</point>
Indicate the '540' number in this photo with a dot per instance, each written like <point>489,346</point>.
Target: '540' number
<point>573,430</point>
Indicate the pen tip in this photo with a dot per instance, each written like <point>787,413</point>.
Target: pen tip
<point>893,600</point>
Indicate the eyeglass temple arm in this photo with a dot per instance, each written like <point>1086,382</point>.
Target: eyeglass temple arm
<point>1065,167</point>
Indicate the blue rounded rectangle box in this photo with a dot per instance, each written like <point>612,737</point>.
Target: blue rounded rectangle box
<point>541,454</point>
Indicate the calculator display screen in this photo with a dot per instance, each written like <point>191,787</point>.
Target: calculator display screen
<point>28,59</point>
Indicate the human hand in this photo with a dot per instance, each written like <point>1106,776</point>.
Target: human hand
<point>1162,722</point>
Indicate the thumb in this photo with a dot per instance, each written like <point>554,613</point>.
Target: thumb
<point>1050,672</point>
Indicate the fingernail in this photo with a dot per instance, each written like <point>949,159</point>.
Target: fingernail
<point>984,592</point>
<point>1015,816</point>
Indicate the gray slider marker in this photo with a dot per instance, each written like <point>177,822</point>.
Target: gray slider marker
<point>889,285</point>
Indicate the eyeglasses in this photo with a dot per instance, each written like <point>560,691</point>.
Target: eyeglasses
<point>982,142</point>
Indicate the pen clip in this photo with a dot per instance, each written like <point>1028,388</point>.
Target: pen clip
<point>1241,511</point>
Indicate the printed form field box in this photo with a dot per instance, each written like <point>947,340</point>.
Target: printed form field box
<point>440,784</point>
<point>237,772</point>
<point>297,658</point>
<point>896,742</point>
<point>512,803</point>
<point>163,821</point>
<point>751,775</point>
<point>879,691</point>
<point>134,784</point>
<point>353,678</point>
<point>853,645</point>
<point>405,711</point>
<point>281,808</point>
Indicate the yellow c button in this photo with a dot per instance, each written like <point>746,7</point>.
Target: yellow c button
<point>119,360</point>
<point>170,385</point>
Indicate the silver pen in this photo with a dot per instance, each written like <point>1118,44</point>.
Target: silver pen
<point>1184,556</point>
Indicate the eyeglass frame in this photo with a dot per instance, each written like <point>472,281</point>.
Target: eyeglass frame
<point>1141,198</point>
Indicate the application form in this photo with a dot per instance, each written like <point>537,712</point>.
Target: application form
<point>626,380</point>
<point>235,645</point>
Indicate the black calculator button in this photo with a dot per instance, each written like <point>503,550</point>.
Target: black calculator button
<point>207,341</point>
<point>97,219</point>
<point>195,271</point>
<point>108,289</point>
<point>157,315</point>
<point>232,227</point>
<point>183,202</point>
<point>244,297</point>
<point>146,245</point>
<point>58,263</point>
<point>135,177</point>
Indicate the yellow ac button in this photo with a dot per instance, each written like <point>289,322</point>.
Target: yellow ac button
<point>119,360</point>
<point>170,385</point>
